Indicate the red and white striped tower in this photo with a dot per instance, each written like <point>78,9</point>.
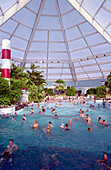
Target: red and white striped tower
<point>6,58</point>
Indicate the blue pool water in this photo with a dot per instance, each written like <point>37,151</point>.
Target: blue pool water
<point>76,149</point>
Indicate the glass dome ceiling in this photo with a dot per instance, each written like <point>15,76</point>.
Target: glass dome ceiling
<point>68,39</point>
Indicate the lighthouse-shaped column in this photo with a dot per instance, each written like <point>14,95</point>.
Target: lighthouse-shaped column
<point>6,58</point>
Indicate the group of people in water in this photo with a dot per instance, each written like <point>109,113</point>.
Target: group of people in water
<point>82,116</point>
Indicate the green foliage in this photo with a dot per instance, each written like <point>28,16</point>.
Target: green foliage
<point>70,91</point>
<point>98,91</point>
<point>91,91</point>
<point>73,90</point>
<point>4,86</point>
<point>49,91</point>
<point>36,93</point>
<point>33,80</point>
<point>109,82</point>
<point>59,81</point>
<point>17,72</point>
<point>59,85</point>
<point>35,76</point>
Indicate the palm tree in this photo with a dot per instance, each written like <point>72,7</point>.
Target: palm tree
<point>59,85</point>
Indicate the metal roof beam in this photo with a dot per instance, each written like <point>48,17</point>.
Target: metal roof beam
<point>33,31</point>
<point>90,19</point>
<point>47,55</point>
<point>13,10</point>
<point>71,65</point>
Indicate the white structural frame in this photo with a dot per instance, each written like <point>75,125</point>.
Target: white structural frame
<point>71,65</point>
<point>13,10</point>
<point>90,19</point>
<point>33,31</point>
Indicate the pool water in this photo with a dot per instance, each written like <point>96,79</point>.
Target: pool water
<point>76,149</point>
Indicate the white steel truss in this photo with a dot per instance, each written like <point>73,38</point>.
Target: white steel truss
<point>13,10</point>
<point>90,19</point>
<point>72,69</point>
<point>33,31</point>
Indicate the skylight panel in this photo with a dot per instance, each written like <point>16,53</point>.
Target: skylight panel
<point>73,18</point>
<point>95,39</point>
<point>35,46</point>
<point>72,33</point>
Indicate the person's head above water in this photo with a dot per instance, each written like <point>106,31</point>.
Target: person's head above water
<point>105,158</point>
<point>66,125</point>
<point>35,121</point>
<point>11,142</point>
<point>89,129</point>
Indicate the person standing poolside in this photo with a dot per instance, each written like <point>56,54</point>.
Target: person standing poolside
<point>88,119</point>
<point>9,150</point>
<point>82,114</point>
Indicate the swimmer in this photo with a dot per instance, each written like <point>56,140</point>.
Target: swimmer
<point>98,106</point>
<point>13,118</point>
<point>87,110</point>
<point>47,107</point>
<point>24,118</point>
<point>31,112</point>
<point>8,151</point>
<point>104,160</point>
<point>53,111</point>
<point>82,114</point>
<point>48,129</point>
<point>43,109</point>
<point>80,111</point>
<point>99,120</point>
<point>15,114</point>
<point>70,122</point>
<point>104,123</point>
<point>56,105</point>
<point>55,117</point>
<point>88,119</point>
<point>50,124</point>
<point>7,116</point>
<point>35,124</point>
<point>62,125</point>
<point>66,126</point>
<point>77,118</point>
<point>89,129</point>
